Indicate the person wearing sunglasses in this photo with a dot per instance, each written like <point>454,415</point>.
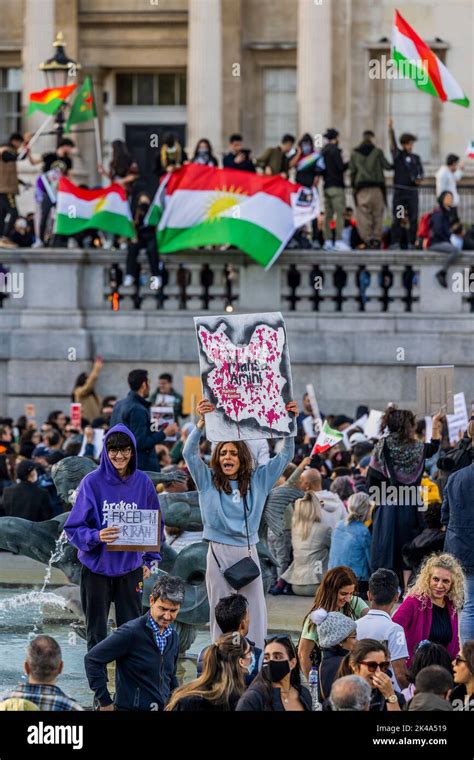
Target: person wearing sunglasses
<point>462,696</point>
<point>278,687</point>
<point>111,576</point>
<point>370,660</point>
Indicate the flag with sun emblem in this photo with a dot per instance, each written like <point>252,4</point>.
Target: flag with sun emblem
<point>201,205</point>
<point>105,209</point>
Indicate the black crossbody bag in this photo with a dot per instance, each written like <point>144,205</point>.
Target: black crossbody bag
<point>245,570</point>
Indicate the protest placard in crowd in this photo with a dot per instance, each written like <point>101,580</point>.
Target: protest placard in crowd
<point>434,389</point>
<point>246,373</point>
<point>139,529</point>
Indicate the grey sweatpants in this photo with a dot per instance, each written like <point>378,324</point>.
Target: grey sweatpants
<point>217,587</point>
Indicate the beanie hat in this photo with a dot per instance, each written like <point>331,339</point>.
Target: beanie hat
<point>333,627</point>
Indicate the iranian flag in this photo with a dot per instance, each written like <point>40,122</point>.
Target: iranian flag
<point>470,149</point>
<point>419,63</point>
<point>201,205</point>
<point>105,209</point>
<point>326,439</point>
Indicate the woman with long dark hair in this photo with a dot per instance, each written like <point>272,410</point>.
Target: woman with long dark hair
<point>278,686</point>
<point>337,593</point>
<point>232,496</point>
<point>370,659</point>
<point>398,461</point>
<point>122,168</point>
<point>221,682</point>
<point>203,154</point>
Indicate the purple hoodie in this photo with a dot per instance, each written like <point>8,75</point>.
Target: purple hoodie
<point>105,487</point>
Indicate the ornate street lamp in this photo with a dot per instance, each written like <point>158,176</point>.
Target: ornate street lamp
<point>58,70</point>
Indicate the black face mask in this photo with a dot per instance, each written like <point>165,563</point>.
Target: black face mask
<point>276,670</point>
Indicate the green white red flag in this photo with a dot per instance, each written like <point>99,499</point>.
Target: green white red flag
<point>327,438</point>
<point>419,63</point>
<point>470,150</point>
<point>105,209</point>
<point>202,205</point>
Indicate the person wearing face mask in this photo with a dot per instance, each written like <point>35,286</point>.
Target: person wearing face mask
<point>232,497</point>
<point>203,154</point>
<point>309,165</point>
<point>25,498</point>
<point>221,683</point>
<point>278,687</point>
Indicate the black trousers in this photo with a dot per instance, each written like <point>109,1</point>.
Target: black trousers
<point>97,594</point>
<point>409,199</point>
<point>149,243</point>
<point>7,209</point>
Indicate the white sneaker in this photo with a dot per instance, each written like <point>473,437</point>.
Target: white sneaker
<point>38,244</point>
<point>340,245</point>
<point>128,280</point>
<point>328,246</point>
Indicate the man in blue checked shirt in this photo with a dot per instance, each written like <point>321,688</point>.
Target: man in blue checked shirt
<point>146,654</point>
<point>42,666</point>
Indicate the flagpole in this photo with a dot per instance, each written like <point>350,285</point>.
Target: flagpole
<point>98,145</point>
<point>31,142</point>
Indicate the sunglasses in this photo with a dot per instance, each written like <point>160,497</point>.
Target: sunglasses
<point>458,660</point>
<point>281,637</point>
<point>372,666</point>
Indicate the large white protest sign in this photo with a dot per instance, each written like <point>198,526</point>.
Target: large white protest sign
<point>457,422</point>
<point>434,389</point>
<point>97,442</point>
<point>372,426</point>
<point>246,373</point>
<point>139,529</point>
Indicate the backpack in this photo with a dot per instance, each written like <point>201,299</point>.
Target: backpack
<point>457,458</point>
<point>424,229</point>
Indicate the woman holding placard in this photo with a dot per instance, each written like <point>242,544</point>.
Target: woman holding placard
<point>111,576</point>
<point>232,496</point>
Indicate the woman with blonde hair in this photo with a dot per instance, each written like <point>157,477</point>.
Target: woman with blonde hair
<point>351,540</point>
<point>221,683</point>
<point>311,540</point>
<point>431,608</point>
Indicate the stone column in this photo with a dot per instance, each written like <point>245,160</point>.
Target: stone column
<point>37,47</point>
<point>204,74</point>
<point>314,61</point>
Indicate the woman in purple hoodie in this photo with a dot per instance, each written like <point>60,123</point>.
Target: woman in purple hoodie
<point>116,576</point>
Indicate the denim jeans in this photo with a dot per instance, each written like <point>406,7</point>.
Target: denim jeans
<point>466,626</point>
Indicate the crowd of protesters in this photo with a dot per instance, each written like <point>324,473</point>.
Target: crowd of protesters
<point>390,584</point>
<point>322,170</point>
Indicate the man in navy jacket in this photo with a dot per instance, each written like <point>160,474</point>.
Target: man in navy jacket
<point>134,412</point>
<point>457,514</point>
<point>146,654</point>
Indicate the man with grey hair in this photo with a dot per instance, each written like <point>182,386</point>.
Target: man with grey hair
<point>145,651</point>
<point>42,666</point>
<point>350,694</point>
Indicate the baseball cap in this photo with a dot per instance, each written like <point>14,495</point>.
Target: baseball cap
<point>24,468</point>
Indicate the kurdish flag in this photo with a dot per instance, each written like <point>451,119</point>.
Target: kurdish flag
<point>326,439</point>
<point>83,107</point>
<point>201,205</point>
<point>420,64</point>
<point>49,100</point>
<point>105,209</point>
